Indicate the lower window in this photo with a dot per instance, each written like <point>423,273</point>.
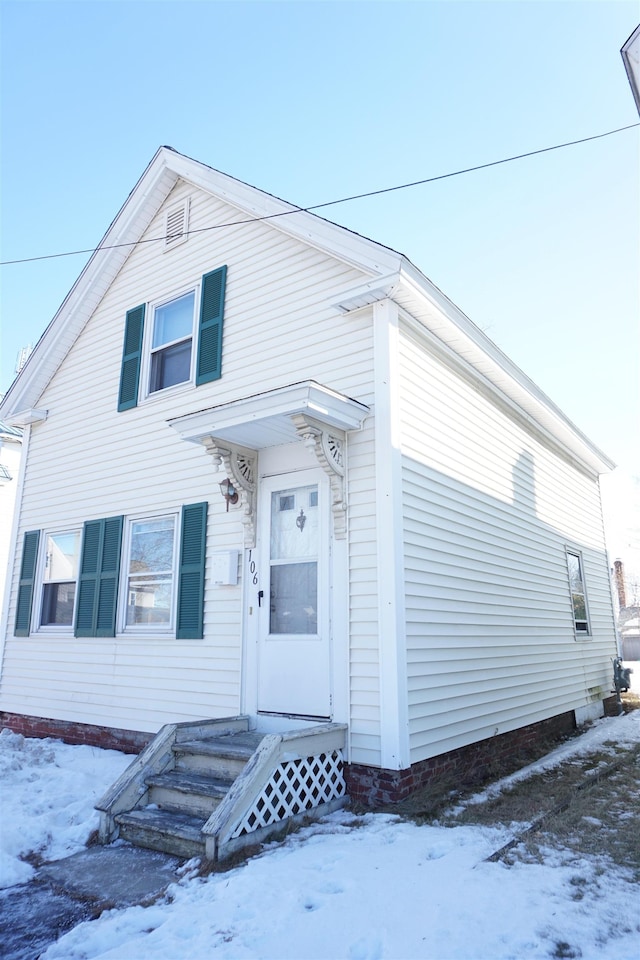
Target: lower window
<point>150,566</point>
<point>59,578</point>
<point>578,593</point>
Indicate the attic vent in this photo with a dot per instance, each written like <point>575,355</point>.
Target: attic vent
<point>176,224</point>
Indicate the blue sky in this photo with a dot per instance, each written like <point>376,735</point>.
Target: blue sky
<point>316,101</point>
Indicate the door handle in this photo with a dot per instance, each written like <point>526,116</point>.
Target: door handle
<point>260,596</point>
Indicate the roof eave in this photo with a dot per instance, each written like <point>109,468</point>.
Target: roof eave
<point>143,202</point>
<point>494,368</point>
<point>92,283</point>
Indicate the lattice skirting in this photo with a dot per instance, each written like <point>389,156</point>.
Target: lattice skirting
<point>293,787</point>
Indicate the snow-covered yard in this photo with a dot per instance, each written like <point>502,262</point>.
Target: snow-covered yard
<point>349,887</point>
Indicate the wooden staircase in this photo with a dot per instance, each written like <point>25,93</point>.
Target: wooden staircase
<point>207,789</point>
<point>181,800</point>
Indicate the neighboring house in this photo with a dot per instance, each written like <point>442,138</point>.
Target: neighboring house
<point>10,450</point>
<point>629,628</point>
<point>343,504</point>
<point>627,608</point>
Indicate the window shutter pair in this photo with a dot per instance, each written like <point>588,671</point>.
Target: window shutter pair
<point>209,347</point>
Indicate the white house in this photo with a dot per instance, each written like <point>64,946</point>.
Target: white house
<point>295,483</point>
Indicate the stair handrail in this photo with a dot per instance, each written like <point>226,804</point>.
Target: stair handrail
<point>129,790</point>
<point>272,750</point>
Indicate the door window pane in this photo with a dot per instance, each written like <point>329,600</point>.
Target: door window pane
<point>294,598</point>
<point>294,556</point>
<point>294,524</point>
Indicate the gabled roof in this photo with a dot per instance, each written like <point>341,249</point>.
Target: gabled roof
<point>391,275</point>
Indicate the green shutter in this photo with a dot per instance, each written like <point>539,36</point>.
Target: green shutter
<point>193,537</point>
<point>98,580</point>
<point>25,588</point>
<point>109,572</point>
<point>210,329</point>
<point>131,359</point>
<point>88,578</point>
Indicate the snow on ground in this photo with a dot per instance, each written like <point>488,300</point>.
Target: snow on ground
<point>360,888</point>
<point>47,792</point>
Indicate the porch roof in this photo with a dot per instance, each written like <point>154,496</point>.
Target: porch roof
<point>265,419</point>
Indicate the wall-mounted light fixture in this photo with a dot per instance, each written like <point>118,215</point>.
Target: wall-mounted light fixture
<point>229,492</point>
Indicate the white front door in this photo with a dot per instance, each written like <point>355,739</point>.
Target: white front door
<point>294,658</point>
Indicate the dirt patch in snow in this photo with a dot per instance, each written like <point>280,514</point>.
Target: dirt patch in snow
<point>584,806</point>
<point>587,806</point>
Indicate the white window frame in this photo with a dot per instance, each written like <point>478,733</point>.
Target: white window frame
<point>40,582</point>
<point>146,629</point>
<point>580,634</point>
<point>147,347</point>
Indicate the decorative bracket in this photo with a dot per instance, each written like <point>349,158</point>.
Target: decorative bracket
<point>329,448</point>
<point>240,466</point>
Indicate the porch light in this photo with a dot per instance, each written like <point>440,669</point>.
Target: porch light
<point>229,492</point>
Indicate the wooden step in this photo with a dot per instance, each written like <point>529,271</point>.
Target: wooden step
<point>174,833</point>
<point>185,792</point>
<point>222,757</point>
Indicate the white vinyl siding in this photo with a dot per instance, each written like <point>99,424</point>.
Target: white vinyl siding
<point>280,327</point>
<point>488,510</point>
<point>364,655</point>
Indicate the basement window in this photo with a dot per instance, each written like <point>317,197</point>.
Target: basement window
<point>578,593</point>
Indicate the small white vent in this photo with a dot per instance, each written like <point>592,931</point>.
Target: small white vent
<point>176,224</point>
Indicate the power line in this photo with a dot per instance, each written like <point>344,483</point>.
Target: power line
<point>331,203</point>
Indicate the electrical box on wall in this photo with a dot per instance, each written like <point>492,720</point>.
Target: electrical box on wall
<point>224,568</point>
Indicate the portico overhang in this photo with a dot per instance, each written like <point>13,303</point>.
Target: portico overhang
<point>234,432</point>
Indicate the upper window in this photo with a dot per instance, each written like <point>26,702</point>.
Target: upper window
<point>174,341</point>
<point>150,573</point>
<point>171,344</point>
<point>59,578</point>
<point>578,593</point>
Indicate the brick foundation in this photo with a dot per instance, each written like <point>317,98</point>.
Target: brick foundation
<point>109,738</point>
<point>468,765</point>
<point>370,786</point>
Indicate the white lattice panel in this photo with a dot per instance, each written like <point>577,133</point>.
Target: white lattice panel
<point>293,787</point>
